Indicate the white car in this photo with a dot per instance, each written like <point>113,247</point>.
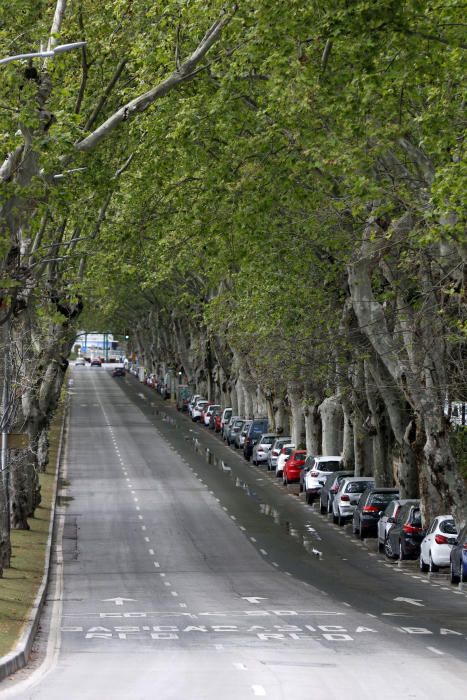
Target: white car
<point>193,401</point>
<point>285,453</point>
<point>347,497</point>
<point>80,362</point>
<point>275,451</point>
<point>207,416</point>
<point>198,408</point>
<point>317,469</point>
<point>435,550</point>
<point>262,447</point>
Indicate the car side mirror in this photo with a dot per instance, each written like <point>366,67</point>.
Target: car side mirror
<point>380,514</point>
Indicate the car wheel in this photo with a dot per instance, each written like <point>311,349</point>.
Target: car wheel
<point>309,499</point>
<point>454,577</point>
<point>340,520</point>
<point>334,519</point>
<point>432,567</point>
<point>380,546</point>
<point>254,462</point>
<point>388,550</point>
<point>361,533</point>
<point>423,567</point>
<point>300,488</point>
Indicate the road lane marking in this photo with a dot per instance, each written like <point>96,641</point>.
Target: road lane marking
<point>436,651</point>
<point>157,565</point>
<point>258,690</point>
<point>174,593</point>
<point>146,539</point>
<point>263,551</point>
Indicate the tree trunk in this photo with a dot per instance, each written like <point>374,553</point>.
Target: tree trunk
<point>298,422</point>
<point>312,429</point>
<point>330,412</point>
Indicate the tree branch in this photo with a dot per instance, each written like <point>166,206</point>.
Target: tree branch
<point>142,102</point>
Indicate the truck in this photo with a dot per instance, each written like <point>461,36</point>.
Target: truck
<point>183,393</point>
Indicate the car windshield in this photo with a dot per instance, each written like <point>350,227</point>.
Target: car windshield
<point>328,466</point>
<point>356,487</point>
<point>267,440</point>
<point>381,499</point>
<point>448,527</point>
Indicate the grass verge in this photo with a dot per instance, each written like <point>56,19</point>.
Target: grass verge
<point>20,583</point>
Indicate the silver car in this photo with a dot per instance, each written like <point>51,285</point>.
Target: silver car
<point>348,496</point>
<point>275,451</point>
<point>239,438</point>
<point>386,519</point>
<point>262,447</point>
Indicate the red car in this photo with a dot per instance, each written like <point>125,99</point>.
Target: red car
<point>217,422</point>
<point>293,467</point>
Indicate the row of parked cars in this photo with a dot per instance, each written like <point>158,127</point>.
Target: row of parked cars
<point>371,510</point>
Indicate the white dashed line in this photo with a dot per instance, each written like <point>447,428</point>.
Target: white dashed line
<point>157,565</point>
<point>252,539</point>
<point>151,552</point>
<point>146,539</point>
<point>174,593</point>
<point>258,690</point>
<point>436,651</point>
<point>263,551</point>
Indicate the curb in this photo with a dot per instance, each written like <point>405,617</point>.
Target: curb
<point>19,657</point>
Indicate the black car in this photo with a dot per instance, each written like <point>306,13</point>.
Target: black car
<point>458,558</point>
<point>405,537</point>
<point>257,428</point>
<point>366,515</point>
<point>118,372</point>
<point>329,490</point>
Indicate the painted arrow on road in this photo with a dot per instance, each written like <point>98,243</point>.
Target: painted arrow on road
<point>118,601</point>
<point>411,601</point>
<point>253,599</point>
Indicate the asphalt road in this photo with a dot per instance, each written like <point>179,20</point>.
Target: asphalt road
<point>185,573</point>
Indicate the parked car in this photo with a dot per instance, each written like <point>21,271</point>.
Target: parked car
<point>118,372</point>
<point>404,538</point>
<point>262,447</point>
<point>235,426</point>
<point>293,467</point>
<point>315,472</point>
<point>96,362</point>
<point>283,457</point>
<point>239,438</point>
<point>366,514</point>
<point>213,419</point>
<point>80,362</point>
<point>208,413</point>
<point>192,402</point>
<point>347,497</point>
<point>275,450</point>
<point>226,414</point>
<point>197,409</point>
<point>387,518</point>
<point>227,425</point>
<point>329,490</point>
<point>257,428</point>
<point>435,549</point>
<point>458,558</point>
